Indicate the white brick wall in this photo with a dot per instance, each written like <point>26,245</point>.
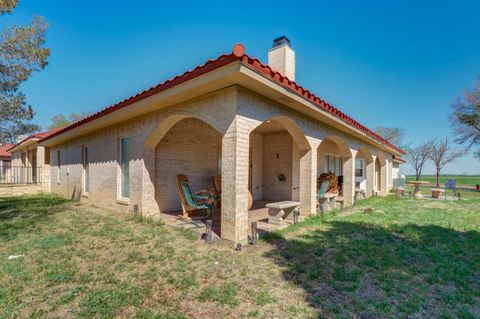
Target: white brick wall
<point>161,148</point>
<point>277,159</point>
<point>191,147</point>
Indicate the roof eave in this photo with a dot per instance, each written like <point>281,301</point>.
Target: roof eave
<point>26,142</point>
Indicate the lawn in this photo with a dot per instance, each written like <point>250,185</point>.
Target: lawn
<point>407,258</point>
<point>462,180</point>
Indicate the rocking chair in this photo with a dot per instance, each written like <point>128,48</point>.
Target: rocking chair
<point>191,201</point>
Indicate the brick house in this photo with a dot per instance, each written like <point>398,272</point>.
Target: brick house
<point>30,161</point>
<point>233,116</point>
<point>5,162</point>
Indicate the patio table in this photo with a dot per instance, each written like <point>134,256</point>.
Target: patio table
<point>416,192</point>
<point>278,211</point>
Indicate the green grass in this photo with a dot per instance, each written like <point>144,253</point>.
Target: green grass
<point>462,180</point>
<point>409,258</point>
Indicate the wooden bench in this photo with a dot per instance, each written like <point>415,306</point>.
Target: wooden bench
<point>278,211</point>
<point>436,192</point>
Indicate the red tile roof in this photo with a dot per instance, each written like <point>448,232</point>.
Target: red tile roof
<point>238,54</point>
<point>3,150</point>
<point>45,134</point>
<point>39,136</point>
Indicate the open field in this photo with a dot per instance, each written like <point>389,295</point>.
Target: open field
<point>408,258</point>
<point>462,180</point>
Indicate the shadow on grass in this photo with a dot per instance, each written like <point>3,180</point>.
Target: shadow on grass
<point>18,213</point>
<point>368,271</point>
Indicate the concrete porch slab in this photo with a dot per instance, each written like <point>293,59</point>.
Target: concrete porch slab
<point>258,213</point>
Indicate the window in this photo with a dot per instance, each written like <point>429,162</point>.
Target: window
<point>359,167</point>
<point>59,175</point>
<point>86,173</point>
<point>334,164</point>
<point>125,167</point>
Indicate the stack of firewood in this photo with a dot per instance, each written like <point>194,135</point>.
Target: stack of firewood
<point>332,178</point>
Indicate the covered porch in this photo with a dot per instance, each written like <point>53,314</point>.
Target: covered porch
<point>193,148</point>
<point>257,162</point>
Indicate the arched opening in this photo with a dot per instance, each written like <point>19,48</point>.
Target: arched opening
<point>364,171</point>
<point>187,146</point>
<point>332,154</point>
<point>275,159</point>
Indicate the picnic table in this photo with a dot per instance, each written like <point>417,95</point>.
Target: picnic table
<point>416,192</point>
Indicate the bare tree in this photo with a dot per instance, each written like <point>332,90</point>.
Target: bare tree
<point>417,156</point>
<point>442,153</point>
<point>465,118</point>
<point>392,135</point>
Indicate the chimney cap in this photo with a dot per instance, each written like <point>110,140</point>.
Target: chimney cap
<point>281,41</point>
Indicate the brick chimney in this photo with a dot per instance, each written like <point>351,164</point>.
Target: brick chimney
<point>281,57</point>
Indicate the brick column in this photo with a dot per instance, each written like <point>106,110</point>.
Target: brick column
<point>149,205</point>
<point>383,177</point>
<point>370,176</point>
<point>308,181</point>
<point>44,174</point>
<point>349,178</point>
<point>235,154</point>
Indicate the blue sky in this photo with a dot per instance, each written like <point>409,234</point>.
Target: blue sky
<point>390,63</point>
